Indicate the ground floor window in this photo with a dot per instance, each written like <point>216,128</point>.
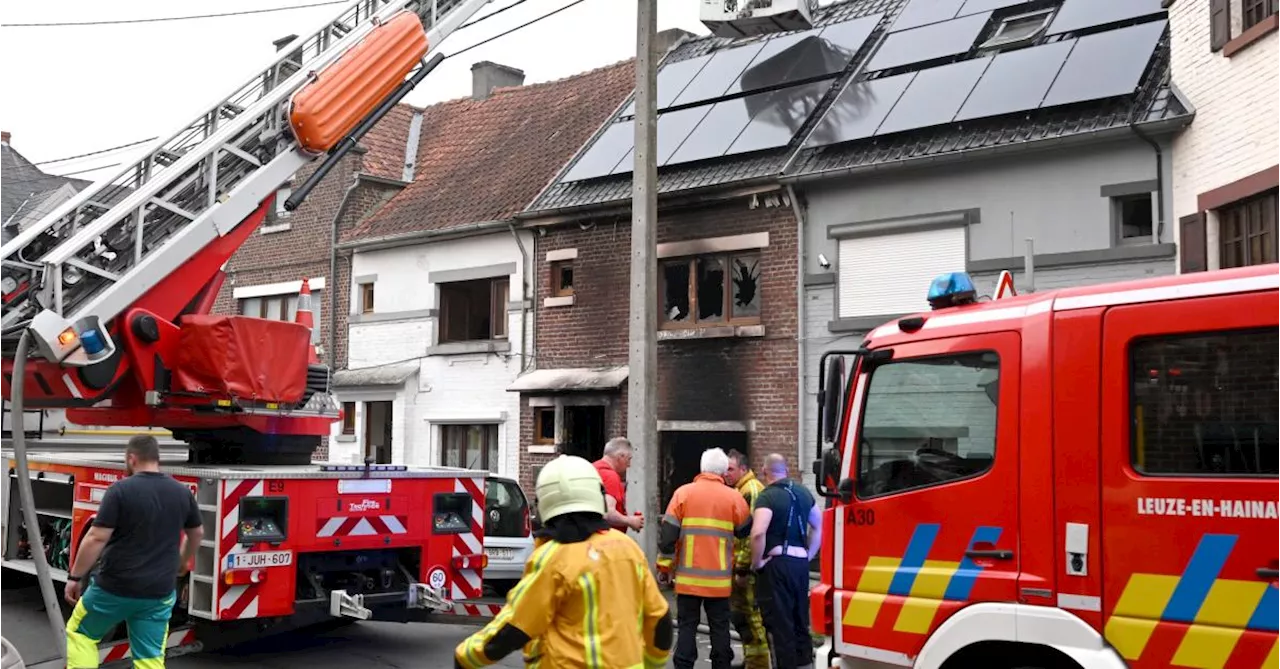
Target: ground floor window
<point>1247,231</point>
<point>469,446</point>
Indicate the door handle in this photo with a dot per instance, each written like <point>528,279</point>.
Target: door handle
<point>993,553</point>
<point>1268,573</point>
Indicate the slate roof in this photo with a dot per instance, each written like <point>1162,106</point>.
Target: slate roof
<point>1153,102</point>
<point>23,182</point>
<point>484,160</point>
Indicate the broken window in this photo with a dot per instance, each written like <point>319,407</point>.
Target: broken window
<point>561,278</point>
<point>710,290</point>
<point>544,426</point>
<point>474,310</point>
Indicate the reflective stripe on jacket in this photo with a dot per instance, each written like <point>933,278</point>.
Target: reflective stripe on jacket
<point>750,487</point>
<point>697,535</point>
<point>590,604</point>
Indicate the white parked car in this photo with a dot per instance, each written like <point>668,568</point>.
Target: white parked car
<point>508,533</point>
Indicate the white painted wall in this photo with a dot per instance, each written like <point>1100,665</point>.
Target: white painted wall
<point>1237,124</point>
<point>460,388</point>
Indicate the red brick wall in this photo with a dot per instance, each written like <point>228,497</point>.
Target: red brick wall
<point>747,379</point>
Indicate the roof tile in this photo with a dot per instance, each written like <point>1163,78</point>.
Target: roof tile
<point>484,160</point>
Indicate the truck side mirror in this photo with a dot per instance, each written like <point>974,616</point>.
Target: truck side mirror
<point>827,472</point>
<point>832,398</point>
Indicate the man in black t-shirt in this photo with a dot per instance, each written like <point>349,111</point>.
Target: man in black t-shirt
<point>786,533</point>
<point>137,535</point>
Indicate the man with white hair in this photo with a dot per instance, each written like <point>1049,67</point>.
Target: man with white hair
<point>612,467</point>
<point>695,545</point>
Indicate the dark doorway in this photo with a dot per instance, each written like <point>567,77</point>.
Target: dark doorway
<point>584,434</point>
<point>377,432</point>
<point>682,456</point>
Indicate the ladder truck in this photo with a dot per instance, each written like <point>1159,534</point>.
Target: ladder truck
<point>107,303</point>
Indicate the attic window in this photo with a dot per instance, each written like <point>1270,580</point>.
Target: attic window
<point>1019,30</point>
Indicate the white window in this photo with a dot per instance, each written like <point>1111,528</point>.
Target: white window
<point>281,195</point>
<point>1019,30</point>
<point>283,307</point>
<point>890,274</point>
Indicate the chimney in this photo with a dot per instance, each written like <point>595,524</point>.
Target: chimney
<point>486,76</point>
<point>4,137</point>
<point>669,38</point>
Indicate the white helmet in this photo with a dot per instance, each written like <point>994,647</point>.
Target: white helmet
<point>568,484</point>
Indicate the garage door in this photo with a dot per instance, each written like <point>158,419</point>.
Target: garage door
<point>890,274</point>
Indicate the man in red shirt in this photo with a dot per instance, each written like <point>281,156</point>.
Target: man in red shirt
<point>613,471</point>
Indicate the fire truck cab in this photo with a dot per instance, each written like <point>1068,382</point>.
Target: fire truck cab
<point>1082,478</point>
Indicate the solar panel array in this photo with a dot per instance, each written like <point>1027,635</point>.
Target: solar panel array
<point>924,12</point>
<point>936,40</point>
<point>736,100</point>
<point>1092,67</point>
<point>1080,14</point>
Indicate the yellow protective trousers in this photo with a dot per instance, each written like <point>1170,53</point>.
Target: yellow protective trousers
<point>745,615</point>
<point>98,611</point>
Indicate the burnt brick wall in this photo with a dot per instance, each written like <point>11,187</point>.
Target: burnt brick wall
<point>615,423</point>
<point>739,378</point>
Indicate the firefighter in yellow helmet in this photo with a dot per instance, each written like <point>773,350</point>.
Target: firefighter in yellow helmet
<point>587,598</point>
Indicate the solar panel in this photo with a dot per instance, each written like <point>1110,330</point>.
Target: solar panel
<point>672,80</point>
<point>859,110</point>
<point>674,127</point>
<point>926,43</point>
<point>1105,64</point>
<point>1016,81</point>
<point>813,53</point>
<point>975,6</point>
<point>604,154</point>
<point>934,96</point>
<point>782,115</point>
<point>718,75</point>
<point>923,12</point>
<point>717,131</point>
<point>1078,14</point>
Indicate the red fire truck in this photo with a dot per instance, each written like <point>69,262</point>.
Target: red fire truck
<point>107,303</point>
<point>1082,478</point>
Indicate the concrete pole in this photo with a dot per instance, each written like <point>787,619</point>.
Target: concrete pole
<point>642,381</point>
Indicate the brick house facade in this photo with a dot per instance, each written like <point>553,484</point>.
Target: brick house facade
<point>730,386</point>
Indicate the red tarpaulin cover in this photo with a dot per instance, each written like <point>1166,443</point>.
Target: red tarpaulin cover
<point>239,356</point>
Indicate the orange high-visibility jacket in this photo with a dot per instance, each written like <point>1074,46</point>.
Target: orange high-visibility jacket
<point>696,538</point>
<point>592,604</point>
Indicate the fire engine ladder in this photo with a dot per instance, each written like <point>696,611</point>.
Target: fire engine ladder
<point>99,252</point>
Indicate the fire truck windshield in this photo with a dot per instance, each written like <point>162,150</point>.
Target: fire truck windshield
<point>927,421</point>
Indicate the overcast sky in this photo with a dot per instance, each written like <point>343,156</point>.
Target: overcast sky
<point>71,90</point>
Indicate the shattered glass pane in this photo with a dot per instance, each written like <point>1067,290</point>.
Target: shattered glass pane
<point>675,293</point>
<point>746,286</point>
<point>710,289</point>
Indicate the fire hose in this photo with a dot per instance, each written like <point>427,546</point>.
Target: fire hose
<point>51,604</point>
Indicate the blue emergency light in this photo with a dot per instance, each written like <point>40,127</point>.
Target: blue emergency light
<point>951,289</point>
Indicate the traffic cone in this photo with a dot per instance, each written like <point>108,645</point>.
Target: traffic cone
<point>304,317</point>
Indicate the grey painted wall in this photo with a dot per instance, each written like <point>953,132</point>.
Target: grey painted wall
<point>1054,197</point>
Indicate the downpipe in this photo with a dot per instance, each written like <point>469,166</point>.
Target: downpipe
<point>51,605</point>
<point>1155,146</point>
<point>333,286</point>
<point>525,344</point>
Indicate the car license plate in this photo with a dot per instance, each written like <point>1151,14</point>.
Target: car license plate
<point>500,553</point>
<point>260,559</point>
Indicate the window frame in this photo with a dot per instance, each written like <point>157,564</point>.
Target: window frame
<point>558,287</point>
<point>1117,216</point>
<point>1239,215</point>
<point>728,319</point>
<point>859,451</point>
<point>1253,12</point>
<point>485,464</point>
<point>499,295</point>
<point>996,42</point>
<point>367,297</point>
<point>1131,381</point>
<point>539,421</point>
<point>286,300</point>
<point>348,419</point>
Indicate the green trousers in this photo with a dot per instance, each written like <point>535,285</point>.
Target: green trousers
<point>98,611</point>
<point>745,614</point>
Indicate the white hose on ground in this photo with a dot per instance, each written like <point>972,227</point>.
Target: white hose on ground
<point>51,603</point>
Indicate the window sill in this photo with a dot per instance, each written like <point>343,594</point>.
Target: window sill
<point>346,439</point>
<point>270,229</point>
<point>468,347</point>
<point>558,301</point>
<point>1253,34</point>
<point>715,332</point>
<point>546,449</point>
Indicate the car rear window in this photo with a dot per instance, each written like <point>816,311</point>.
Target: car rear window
<point>504,509</point>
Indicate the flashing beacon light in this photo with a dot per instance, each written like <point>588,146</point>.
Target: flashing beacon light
<point>950,290</point>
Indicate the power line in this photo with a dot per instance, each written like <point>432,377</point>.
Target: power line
<point>490,15</point>
<point>94,153</point>
<point>522,26</point>
<point>159,19</point>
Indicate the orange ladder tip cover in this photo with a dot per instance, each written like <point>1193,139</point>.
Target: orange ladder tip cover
<point>343,93</point>
<point>304,317</point>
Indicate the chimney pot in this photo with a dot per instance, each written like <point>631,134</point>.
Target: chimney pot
<point>487,75</point>
<point>4,137</point>
<point>669,38</point>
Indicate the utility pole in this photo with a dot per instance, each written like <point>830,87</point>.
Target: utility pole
<point>642,377</point>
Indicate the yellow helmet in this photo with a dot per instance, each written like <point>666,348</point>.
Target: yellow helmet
<point>568,484</point>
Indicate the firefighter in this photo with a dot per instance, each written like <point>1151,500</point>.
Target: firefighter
<point>743,610</point>
<point>586,592</point>
<point>708,515</point>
